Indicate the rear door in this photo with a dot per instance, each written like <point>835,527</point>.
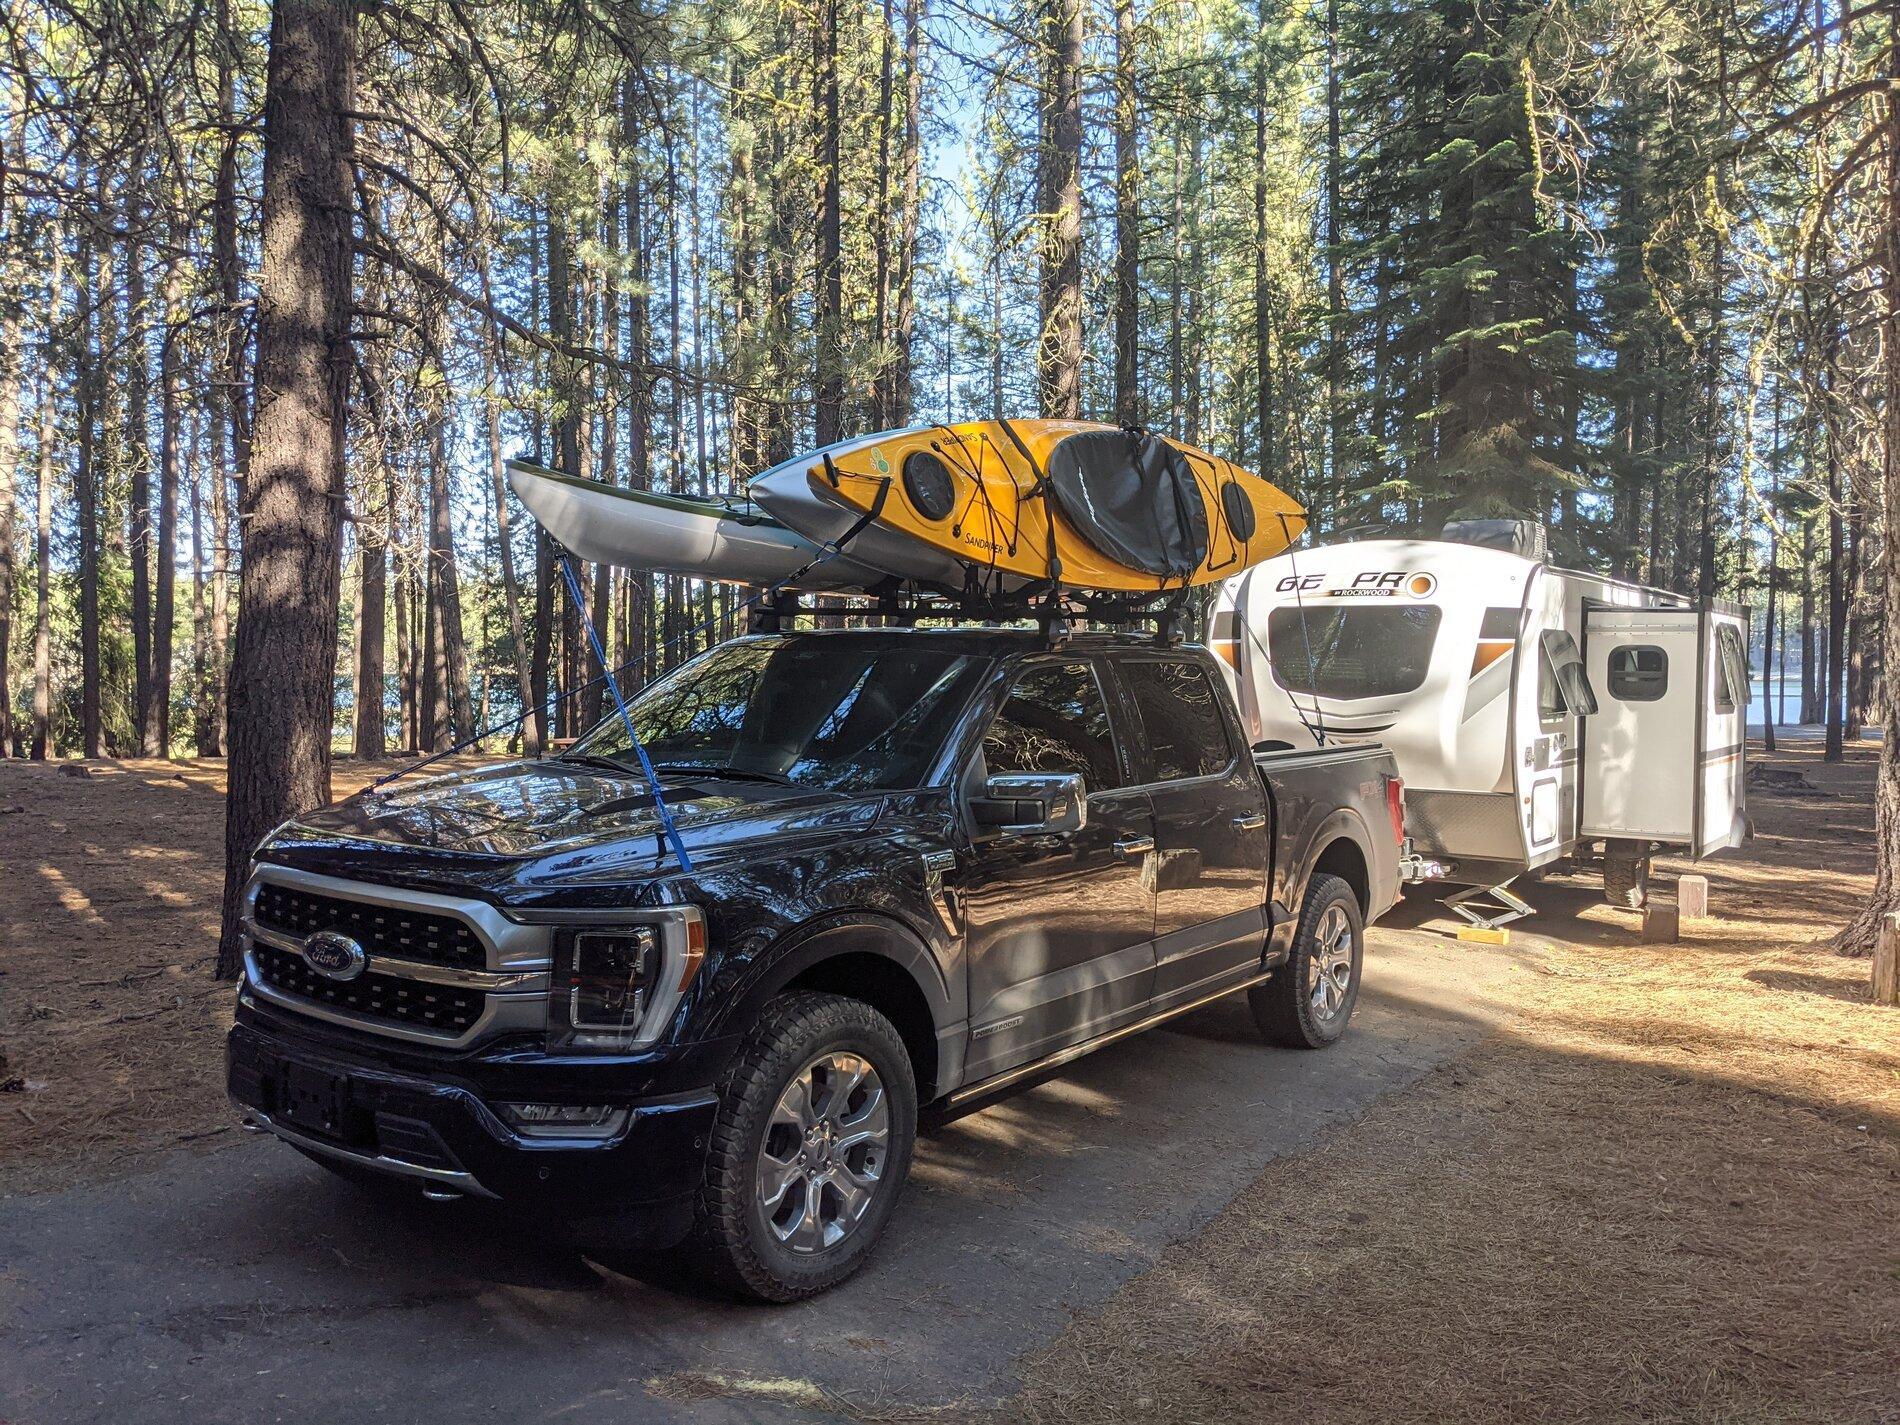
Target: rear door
<point>1209,866</point>
<point>1640,747</point>
<point>1060,931</point>
<point>1722,749</point>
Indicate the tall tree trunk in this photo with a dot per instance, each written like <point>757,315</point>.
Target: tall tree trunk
<point>1859,934</point>
<point>504,539</point>
<point>137,452</point>
<point>904,323</point>
<point>86,482</point>
<point>12,291</point>
<point>164,597</point>
<point>372,605</point>
<point>1771,670</point>
<point>43,500</point>
<point>282,698</point>
<point>1059,345</point>
<point>448,714</point>
<point>1127,222</point>
<point>231,409</point>
<point>829,318</point>
<point>881,399</point>
<point>1810,669</point>
<point>1262,297</point>
<point>1335,478</point>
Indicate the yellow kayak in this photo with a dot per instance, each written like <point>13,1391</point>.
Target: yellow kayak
<point>1100,507</point>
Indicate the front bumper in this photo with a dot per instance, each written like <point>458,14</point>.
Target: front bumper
<point>358,1106</point>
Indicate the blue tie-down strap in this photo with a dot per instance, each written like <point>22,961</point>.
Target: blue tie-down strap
<point>626,718</point>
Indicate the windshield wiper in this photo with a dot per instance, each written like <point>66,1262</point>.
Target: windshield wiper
<point>596,759</point>
<point>737,774</point>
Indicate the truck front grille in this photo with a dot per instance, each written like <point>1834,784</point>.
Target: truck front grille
<point>392,931</point>
<point>413,1004</point>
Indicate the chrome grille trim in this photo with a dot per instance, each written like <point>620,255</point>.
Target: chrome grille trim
<point>514,984</point>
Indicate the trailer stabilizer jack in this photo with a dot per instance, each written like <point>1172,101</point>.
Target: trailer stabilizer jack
<point>1488,907</point>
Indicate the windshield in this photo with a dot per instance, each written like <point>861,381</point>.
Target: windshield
<point>813,712</point>
<point>1352,652</point>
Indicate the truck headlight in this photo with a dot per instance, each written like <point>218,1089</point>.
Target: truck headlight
<point>615,986</point>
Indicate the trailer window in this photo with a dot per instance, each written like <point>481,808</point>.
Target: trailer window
<point>1563,688</point>
<point>1352,652</point>
<point>1731,685</point>
<point>1639,673</point>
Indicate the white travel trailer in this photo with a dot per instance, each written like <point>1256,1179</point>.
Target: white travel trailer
<point>1536,713</point>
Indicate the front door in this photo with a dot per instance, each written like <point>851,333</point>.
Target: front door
<point>1211,832</point>
<point>1060,931</point>
<point>1639,754</point>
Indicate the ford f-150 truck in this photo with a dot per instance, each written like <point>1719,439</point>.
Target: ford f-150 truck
<point>907,871</point>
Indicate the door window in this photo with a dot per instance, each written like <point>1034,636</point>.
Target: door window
<point>1563,688</point>
<point>1055,720</point>
<point>1731,684</point>
<point>1181,723</point>
<point>1639,673</point>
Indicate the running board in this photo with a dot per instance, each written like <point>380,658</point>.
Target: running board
<point>976,1095</point>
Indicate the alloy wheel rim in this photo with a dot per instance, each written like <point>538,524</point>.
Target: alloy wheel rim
<point>1331,963</point>
<point>825,1150</point>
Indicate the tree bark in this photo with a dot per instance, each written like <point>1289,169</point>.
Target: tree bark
<point>1859,935</point>
<point>829,318</point>
<point>372,606</point>
<point>164,596</point>
<point>281,703</point>
<point>11,292</point>
<point>86,479</point>
<point>43,499</point>
<point>1059,346</point>
<point>1127,222</point>
<point>504,538</point>
<point>904,323</point>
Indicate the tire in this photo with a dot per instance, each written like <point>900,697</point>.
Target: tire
<point>774,1130</point>
<point>1295,1009</point>
<point>1626,881</point>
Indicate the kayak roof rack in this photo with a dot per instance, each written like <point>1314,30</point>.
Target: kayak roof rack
<point>903,605</point>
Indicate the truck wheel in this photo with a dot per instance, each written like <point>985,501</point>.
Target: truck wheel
<point>1308,1002</point>
<point>1626,881</point>
<point>817,1120</point>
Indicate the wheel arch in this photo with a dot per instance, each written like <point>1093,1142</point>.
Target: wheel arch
<point>869,957</point>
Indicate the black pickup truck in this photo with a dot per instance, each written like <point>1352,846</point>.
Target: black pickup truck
<point>905,872</point>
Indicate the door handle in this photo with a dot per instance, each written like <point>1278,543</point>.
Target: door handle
<point>1129,846</point>
<point>1250,823</point>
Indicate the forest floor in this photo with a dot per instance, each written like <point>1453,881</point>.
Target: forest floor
<point>111,1026</point>
<point>1664,1190</point>
<point>1663,1186</point>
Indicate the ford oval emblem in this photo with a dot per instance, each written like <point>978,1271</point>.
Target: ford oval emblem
<point>334,955</point>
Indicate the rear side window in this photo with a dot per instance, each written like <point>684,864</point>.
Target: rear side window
<point>1353,651</point>
<point>1181,724</point>
<point>1639,673</point>
<point>1055,720</point>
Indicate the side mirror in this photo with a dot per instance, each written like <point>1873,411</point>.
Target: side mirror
<point>1033,803</point>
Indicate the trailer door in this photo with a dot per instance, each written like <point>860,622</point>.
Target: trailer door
<point>1721,752</point>
<point>1640,749</point>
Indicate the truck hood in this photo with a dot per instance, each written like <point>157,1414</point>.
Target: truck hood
<point>576,818</point>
